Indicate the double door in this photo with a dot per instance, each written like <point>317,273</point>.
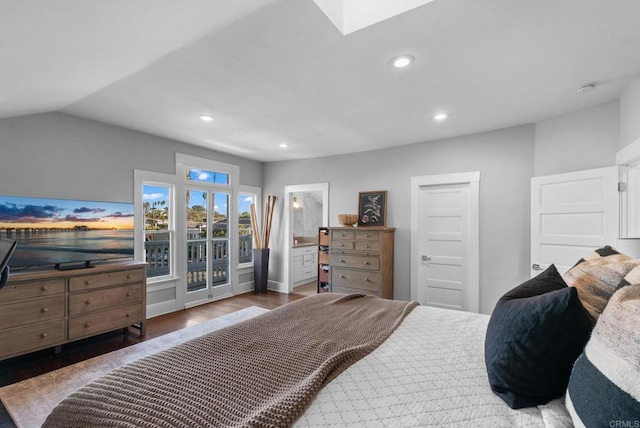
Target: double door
<point>208,252</point>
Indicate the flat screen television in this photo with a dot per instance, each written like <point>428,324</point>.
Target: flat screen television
<point>65,233</point>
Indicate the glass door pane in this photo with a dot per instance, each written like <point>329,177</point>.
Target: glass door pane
<point>197,213</point>
<point>220,238</point>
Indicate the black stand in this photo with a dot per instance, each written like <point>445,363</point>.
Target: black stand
<point>260,269</point>
<point>73,266</point>
<point>4,276</point>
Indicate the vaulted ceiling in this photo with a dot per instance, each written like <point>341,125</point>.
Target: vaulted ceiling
<point>279,71</point>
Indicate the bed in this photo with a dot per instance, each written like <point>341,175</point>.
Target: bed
<point>352,360</point>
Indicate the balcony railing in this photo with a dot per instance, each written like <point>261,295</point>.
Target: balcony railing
<point>158,259</point>
<point>246,249</point>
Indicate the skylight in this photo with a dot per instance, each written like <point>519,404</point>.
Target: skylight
<point>352,15</point>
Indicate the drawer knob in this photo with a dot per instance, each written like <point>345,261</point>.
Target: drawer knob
<point>366,280</point>
<point>341,260</point>
<point>44,335</point>
<point>128,294</point>
<point>366,263</point>
<point>87,282</point>
<point>128,315</point>
<point>86,302</point>
<point>44,310</point>
<point>44,288</point>
<point>87,325</point>
<point>342,276</point>
<point>128,276</point>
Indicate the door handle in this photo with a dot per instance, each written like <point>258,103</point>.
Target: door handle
<point>536,266</point>
<point>426,259</point>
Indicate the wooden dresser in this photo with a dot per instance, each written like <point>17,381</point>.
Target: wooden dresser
<point>49,308</point>
<point>361,260</point>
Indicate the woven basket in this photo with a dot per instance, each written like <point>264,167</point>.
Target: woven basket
<point>347,219</point>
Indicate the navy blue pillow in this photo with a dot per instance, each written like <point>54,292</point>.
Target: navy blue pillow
<point>535,334</point>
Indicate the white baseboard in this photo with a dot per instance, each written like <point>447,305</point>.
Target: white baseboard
<point>161,308</point>
<point>280,287</point>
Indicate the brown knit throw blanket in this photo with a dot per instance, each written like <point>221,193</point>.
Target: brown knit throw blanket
<point>262,372</point>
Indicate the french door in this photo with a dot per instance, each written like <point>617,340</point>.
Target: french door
<point>208,252</point>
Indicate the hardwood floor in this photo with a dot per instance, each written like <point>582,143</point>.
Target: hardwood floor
<point>34,364</point>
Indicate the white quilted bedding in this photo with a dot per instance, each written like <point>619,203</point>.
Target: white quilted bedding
<point>429,373</point>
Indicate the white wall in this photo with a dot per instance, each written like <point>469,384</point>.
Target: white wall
<point>505,159</point>
<point>580,140</point>
<point>60,156</point>
<point>630,114</point>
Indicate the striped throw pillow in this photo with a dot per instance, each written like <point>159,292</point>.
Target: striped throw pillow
<point>596,282</point>
<point>604,386</point>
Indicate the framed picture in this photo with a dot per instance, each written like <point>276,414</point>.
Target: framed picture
<point>372,208</point>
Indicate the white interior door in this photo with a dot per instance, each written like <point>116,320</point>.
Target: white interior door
<point>571,215</point>
<point>445,259</point>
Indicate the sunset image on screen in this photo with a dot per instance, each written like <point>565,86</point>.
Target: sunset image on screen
<point>20,213</point>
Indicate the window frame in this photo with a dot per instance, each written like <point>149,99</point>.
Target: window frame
<point>148,178</point>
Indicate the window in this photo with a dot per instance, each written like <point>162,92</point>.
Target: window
<point>194,174</point>
<point>245,242</point>
<point>158,230</point>
<point>193,229</point>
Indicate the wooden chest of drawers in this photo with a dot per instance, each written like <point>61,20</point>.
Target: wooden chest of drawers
<point>44,309</point>
<point>361,260</point>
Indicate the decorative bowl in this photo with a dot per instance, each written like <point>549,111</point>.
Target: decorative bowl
<point>347,219</point>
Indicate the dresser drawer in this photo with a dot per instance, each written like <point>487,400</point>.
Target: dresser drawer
<point>342,235</point>
<point>367,235</point>
<point>351,290</point>
<point>357,278</point>
<point>354,261</point>
<point>371,247</point>
<point>98,322</point>
<point>31,289</point>
<point>90,282</point>
<point>31,337</point>
<point>31,311</point>
<point>342,245</point>
<point>81,303</point>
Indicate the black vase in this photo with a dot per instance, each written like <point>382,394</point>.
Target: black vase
<point>260,269</point>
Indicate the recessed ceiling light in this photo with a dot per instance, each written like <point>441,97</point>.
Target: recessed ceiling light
<point>402,61</point>
<point>440,117</point>
<point>284,145</point>
<point>206,118</point>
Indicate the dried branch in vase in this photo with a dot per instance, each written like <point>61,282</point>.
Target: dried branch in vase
<point>262,234</point>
